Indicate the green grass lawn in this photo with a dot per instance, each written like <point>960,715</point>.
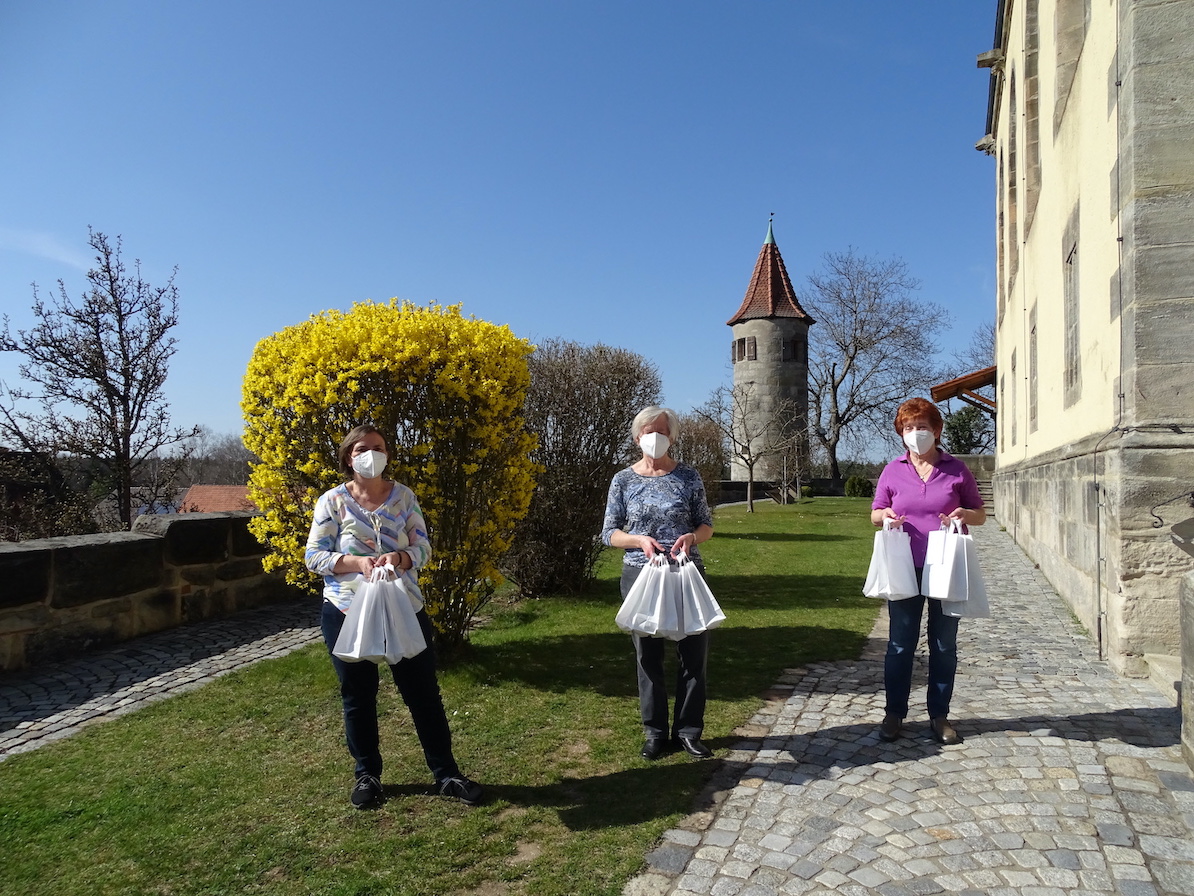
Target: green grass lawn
<point>242,786</point>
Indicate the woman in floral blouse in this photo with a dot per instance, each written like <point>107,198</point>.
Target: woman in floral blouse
<point>658,505</point>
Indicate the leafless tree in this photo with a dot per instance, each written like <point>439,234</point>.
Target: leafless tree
<point>873,347</point>
<point>702,446</point>
<point>95,372</point>
<point>580,404</point>
<point>217,459</point>
<point>751,435</point>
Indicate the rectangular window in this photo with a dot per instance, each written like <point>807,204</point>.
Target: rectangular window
<point>1002,411</point>
<point>1011,409</point>
<point>751,351</point>
<point>1072,377</point>
<point>1032,381</point>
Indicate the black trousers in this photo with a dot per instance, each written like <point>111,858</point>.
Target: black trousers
<point>419,687</point>
<point>692,654</point>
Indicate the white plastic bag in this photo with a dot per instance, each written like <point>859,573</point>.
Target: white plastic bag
<point>975,605</point>
<point>380,625</point>
<point>701,610</point>
<point>892,575</point>
<point>653,605</point>
<point>950,555</point>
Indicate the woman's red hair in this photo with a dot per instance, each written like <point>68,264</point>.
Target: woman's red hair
<point>918,407</point>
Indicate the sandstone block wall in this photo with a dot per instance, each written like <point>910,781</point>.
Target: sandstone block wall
<point>61,596</point>
<point>1083,514</point>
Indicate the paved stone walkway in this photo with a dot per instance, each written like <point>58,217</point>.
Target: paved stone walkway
<point>1070,780</point>
<point>55,702</point>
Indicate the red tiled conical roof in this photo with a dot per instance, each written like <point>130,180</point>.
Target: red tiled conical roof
<point>770,293</point>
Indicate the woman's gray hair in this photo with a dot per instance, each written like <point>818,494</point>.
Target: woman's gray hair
<point>649,415</point>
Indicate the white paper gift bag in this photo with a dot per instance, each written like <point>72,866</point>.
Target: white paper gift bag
<point>892,574</point>
<point>946,575</point>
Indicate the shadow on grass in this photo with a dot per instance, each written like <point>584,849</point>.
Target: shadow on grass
<point>742,661</point>
<point>629,796</point>
<point>794,592</point>
<point>783,536</point>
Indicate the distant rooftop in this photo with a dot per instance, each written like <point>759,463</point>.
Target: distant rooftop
<point>215,499</point>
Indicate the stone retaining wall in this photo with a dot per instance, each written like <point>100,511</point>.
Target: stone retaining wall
<point>64,595</point>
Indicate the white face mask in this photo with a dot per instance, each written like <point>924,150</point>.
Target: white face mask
<point>920,440</point>
<point>369,464</point>
<point>654,445</point>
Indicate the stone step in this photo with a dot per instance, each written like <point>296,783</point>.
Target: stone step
<point>1165,673</point>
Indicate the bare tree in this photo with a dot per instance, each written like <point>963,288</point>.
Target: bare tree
<point>95,373</point>
<point>873,347</point>
<point>702,446</point>
<point>750,435</point>
<point>580,405</point>
<point>217,459</point>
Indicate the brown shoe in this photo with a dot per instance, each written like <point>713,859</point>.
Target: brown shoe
<point>889,730</point>
<point>944,732</point>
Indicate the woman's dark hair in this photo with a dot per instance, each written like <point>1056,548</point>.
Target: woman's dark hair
<point>344,455</point>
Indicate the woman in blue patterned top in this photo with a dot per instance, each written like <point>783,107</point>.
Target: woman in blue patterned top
<point>658,506</point>
<point>367,522</point>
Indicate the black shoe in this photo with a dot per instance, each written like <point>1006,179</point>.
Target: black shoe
<point>366,792</point>
<point>944,732</point>
<point>693,747</point>
<point>889,730</point>
<point>461,788</point>
<point>654,748</point>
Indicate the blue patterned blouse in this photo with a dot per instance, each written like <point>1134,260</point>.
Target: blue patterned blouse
<point>664,507</point>
<point>342,526</point>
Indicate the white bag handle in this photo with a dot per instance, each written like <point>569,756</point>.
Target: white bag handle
<point>385,573</point>
<point>890,523</point>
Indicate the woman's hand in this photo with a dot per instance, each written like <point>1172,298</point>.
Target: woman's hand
<point>352,563</point>
<point>684,543</point>
<point>886,513</point>
<point>648,545</point>
<point>967,517</point>
<point>400,560</point>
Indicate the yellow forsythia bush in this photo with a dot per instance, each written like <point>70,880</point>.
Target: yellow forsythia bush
<point>447,393</point>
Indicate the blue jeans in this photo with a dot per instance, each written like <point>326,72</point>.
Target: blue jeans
<point>692,654</point>
<point>904,633</point>
<point>419,687</point>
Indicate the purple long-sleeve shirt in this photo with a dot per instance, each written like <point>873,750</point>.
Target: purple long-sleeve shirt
<point>951,485</point>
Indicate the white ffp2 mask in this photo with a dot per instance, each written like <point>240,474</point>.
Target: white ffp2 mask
<point>920,440</point>
<point>654,445</point>
<point>369,464</point>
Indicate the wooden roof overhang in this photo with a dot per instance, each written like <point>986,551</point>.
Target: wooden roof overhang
<point>963,387</point>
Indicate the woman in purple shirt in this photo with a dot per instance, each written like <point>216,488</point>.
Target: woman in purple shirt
<point>920,491</point>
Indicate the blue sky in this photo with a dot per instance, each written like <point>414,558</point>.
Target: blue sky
<point>588,171</point>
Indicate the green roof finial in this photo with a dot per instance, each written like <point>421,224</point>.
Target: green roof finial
<point>770,241</point>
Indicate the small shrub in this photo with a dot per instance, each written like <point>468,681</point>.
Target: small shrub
<point>859,487</point>
<point>806,491</point>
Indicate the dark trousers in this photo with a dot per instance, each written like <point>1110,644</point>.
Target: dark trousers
<point>904,632</point>
<point>692,654</point>
<point>417,683</point>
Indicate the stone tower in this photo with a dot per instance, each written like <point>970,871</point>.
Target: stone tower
<point>770,357</point>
